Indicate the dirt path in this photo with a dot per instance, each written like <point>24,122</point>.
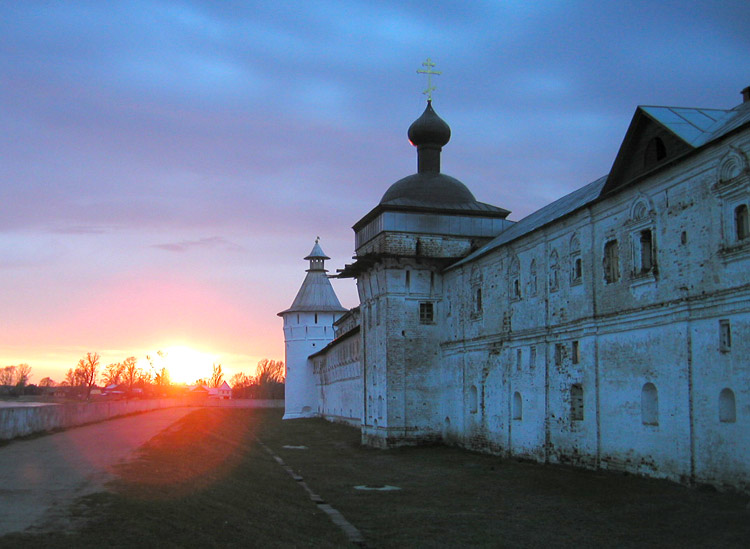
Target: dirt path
<point>40,478</point>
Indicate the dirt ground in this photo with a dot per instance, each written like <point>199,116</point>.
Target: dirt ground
<point>207,482</point>
<point>42,476</point>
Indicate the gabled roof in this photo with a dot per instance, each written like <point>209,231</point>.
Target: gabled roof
<point>694,126</point>
<point>687,129</point>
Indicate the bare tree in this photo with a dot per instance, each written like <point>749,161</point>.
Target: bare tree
<point>130,372</point>
<point>113,373</point>
<point>162,378</point>
<point>23,374</point>
<point>240,380</point>
<point>47,382</point>
<point>269,376</point>
<point>217,377</point>
<point>8,375</point>
<point>70,378</point>
<point>88,369</point>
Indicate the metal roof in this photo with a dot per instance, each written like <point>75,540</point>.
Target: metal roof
<point>697,126</point>
<point>539,218</point>
<point>316,295</point>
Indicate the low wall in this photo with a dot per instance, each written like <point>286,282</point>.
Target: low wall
<point>27,420</point>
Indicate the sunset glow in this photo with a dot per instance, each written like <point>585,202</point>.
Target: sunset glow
<point>186,365</point>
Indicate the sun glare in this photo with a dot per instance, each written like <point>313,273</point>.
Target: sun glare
<point>185,365</point>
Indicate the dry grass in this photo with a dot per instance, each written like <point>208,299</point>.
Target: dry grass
<point>206,483</point>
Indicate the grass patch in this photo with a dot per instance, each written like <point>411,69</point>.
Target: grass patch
<point>205,482</point>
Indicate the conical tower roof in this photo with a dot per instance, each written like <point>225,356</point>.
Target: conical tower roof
<point>316,294</point>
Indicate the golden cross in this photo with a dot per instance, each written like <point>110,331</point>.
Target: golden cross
<point>429,72</point>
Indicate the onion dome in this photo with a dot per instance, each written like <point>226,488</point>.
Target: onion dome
<point>429,129</point>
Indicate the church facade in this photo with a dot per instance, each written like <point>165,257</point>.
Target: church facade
<point>610,329</point>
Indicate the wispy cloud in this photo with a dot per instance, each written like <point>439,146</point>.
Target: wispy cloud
<point>210,243</point>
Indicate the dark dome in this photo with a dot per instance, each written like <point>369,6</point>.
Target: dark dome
<point>429,129</point>
<point>428,189</point>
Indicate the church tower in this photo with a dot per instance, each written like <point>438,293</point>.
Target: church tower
<point>308,327</point>
<point>423,223</point>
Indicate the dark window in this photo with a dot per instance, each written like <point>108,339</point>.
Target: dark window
<point>741,222</point>
<point>558,354</point>
<point>478,301</point>
<point>655,151</point>
<point>577,269</point>
<point>725,336</point>
<point>649,405</point>
<point>727,406</point>
<point>426,313</point>
<point>576,402</point>
<point>576,352</point>
<point>611,262</point>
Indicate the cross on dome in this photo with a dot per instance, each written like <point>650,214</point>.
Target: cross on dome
<point>429,72</point>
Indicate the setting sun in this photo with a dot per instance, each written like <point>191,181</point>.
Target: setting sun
<point>185,365</point>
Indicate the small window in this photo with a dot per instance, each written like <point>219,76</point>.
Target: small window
<point>577,273</point>
<point>316,318</point>
<point>408,280</point>
<point>514,273</point>
<point>517,406</point>
<point>554,272</point>
<point>611,262</point>
<point>575,352</point>
<point>725,336</point>
<point>532,357</point>
<point>649,405</point>
<point>519,358</point>
<point>741,222</point>
<point>426,313</point>
<point>576,402</point>
<point>473,399</point>
<point>727,406</point>
<point>559,354</point>
<point>478,300</point>
<point>532,278</point>
<point>647,251</point>
<point>655,151</point>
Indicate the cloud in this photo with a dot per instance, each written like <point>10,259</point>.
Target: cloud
<point>210,243</point>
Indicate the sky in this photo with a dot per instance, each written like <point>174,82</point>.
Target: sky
<point>165,166</point>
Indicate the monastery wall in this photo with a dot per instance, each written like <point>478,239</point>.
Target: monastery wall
<point>621,367</point>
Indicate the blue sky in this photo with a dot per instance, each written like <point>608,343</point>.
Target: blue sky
<point>165,165</point>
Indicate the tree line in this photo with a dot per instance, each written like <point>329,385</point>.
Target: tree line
<point>268,381</point>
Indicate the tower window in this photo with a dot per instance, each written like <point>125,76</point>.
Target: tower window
<point>576,352</point>
<point>316,318</point>
<point>426,313</point>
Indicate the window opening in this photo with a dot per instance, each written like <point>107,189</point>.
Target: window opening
<point>725,336</point>
<point>647,251</point>
<point>611,262</point>
<point>517,406</point>
<point>576,402</point>
<point>519,358</point>
<point>473,399</point>
<point>426,312</point>
<point>649,405</point>
<point>575,352</point>
<point>727,406</point>
<point>741,222</point>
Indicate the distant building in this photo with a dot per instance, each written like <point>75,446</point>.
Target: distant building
<point>610,329</point>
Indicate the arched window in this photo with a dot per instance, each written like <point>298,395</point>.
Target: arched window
<point>554,272</point>
<point>576,264</point>
<point>576,402</point>
<point>741,222</point>
<point>649,405</point>
<point>517,406</point>
<point>655,151</point>
<point>727,406</point>
<point>514,279</point>
<point>473,399</point>
<point>532,278</point>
